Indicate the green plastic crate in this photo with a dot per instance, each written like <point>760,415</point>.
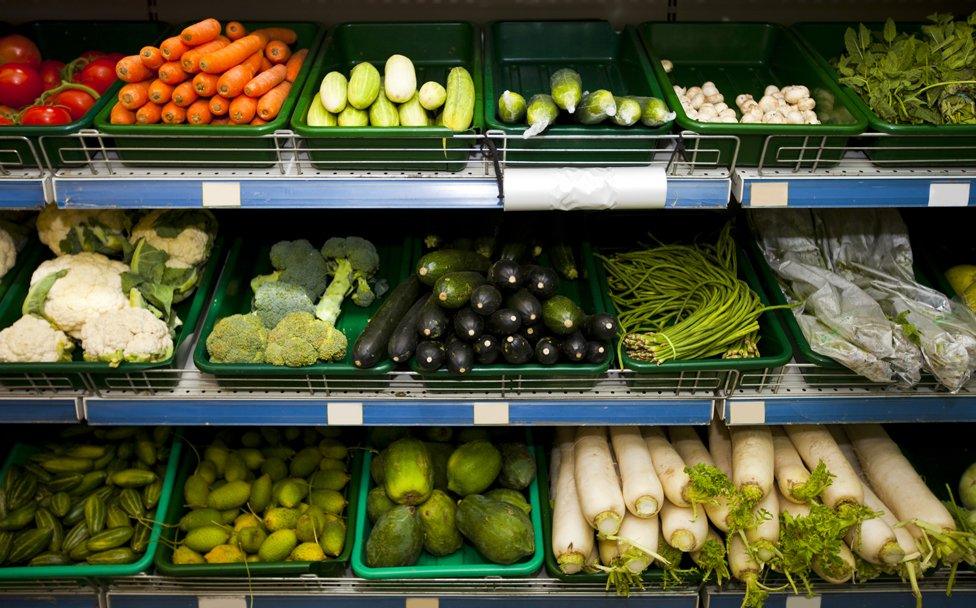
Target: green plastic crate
<point>20,453</point>
<point>587,294</point>
<point>434,49</point>
<point>464,563</point>
<point>328,567</point>
<point>826,43</point>
<point>188,310</point>
<point>23,267</point>
<point>65,41</point>
<point>745,58</point>
<point>214,146</point>
<point>233,295</point>
<point>521,55</point>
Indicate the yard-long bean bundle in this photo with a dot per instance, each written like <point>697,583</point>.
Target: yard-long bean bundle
<point>684,302</point>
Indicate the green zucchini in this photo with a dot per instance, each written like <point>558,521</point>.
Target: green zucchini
<point>437,263</point>
<point>561,256</point>
<point>371,346</point>
<point>453,290</point>
<point>561,315</point>
<point>404,339</point>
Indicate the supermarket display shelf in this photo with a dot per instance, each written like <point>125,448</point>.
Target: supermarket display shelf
<point>803,393</point>
<point>51,594</point>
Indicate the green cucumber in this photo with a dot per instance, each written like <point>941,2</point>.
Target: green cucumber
<point>436,264</point>
<point>561,315</point>
<point>371,346</point>
<point>453,290</point>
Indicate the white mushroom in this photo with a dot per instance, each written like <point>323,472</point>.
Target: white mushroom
<point>796,93</point>
<point>771,89</point>
<point>726,113</point>
<point>730,119</point>
<point>749,105</point>
<point>743,98</point>
<point>794,118</point>
<point>721,107</point>
<point>768,103</point>
<point>750,118</point>
<point>667,65</point>
<point>809,116</point>
<point>697,101</point>
<point>813,121</point>
<point>707,113</point>
<point>806,104</point>
<point>755,112</point>
<point>678,90</point>
<point>774,118</point>
<point>692,91</point>
<point>716,98</point>
<point>709,88</point>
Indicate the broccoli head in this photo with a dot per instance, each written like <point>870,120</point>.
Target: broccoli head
<point>353,262</point>
<point>298,263</point>
<point>238,339</point>
<point>300,339</point>
<point>288,253</point>
<point>275,299</point>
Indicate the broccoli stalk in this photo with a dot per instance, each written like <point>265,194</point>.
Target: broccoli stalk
<point>353,262</point>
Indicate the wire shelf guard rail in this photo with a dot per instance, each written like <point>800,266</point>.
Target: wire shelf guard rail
<point>19,158</point>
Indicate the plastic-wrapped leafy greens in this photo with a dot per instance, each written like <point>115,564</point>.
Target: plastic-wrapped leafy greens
<point>825,341</point>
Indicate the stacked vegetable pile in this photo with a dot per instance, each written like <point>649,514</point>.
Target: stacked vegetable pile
<point>799,500</point>
<point>433,495</point>
<point>111,287</point>
<point>49,92</point>
<point>478,312</point>
<point>277,496</point>
<point>677,302</point>
<point>850,274</point>
<point>924,78</point>
<point>202,77</point>
<point>89,498</point>
<point>365,99</point>
<point>789,105</point>
<point>293,317</point>
<point>586,107</point>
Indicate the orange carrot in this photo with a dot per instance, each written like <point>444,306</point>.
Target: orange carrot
<point>200,32</point>
<point>265,81</point>
<point>173,114</point>
<point>121,115</point>
<point>172,73</point>
<point>205,84</point>
<point>284,34</point>
<point>234,30</point>
<point>265,64</point>
<point>242,109</point>
<point>198,113</point>
<point>173,48</point>
<point>277,52</point>
<point>219,106</point>
<point>184,94</point>
<point>191,59</point>
<point>270,103</point>
<point>231,83</point>
<point>233,54</point>
<point>160,92</point>
<point>294,65</point>
<point>219,121</point>
<point>151,57</point>
<point>149,114</point>
<point>258,121</point>
<point>130,69</point>
<point>134,95</point>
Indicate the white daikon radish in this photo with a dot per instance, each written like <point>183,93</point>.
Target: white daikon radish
<point>752,460</point>
<point>788,467</point>
<point>793,508</point>
<point>669,466</point>
<point>682,528</point>
<point>763,538</point>
<point>641,488</point>
<point>746,570</point>
<point>687,444</point>
<point>710,559</point>
<point>597,484</point>
<point>572,536</point>
<point>815,445</point>
<point>720,446</point>
<point>592,564</point>
<point>555,459</point>
<point>609,551</point>
<point>637,542</point>
<point>836,573</point>
<point>873,539</point>
<point>897,484</point>
<point>846,448</point>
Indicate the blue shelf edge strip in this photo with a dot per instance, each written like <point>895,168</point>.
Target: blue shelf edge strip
<point>846,410</point>
<point>38,411</point>
<point>397,600</point>
<point>853,192</point>
<point>22,193</point>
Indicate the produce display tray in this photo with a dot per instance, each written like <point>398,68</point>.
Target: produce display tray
<point>27,260</point>
<point>774,348</point>
<point>249,258</point>
<point>329,567</point>
<point>521,56</point>
<point>434,48</point>
<point>464,563</point>
<point>825,41</point>
<point>19,455</point>
<point>225,145</point>
<point>586,293</point>
<point>189,311</point>
<point>745,58</point>
<point>64,41</point>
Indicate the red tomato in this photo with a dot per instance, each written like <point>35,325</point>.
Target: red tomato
<point>77,102</point>
<point>5,121</point>
<point>99,74</point>
<point>19,49</point>
<point>50,71</point>
<point>20,84</point>
<point>45,116</point>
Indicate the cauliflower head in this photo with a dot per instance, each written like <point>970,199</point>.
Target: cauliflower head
<point>32,339</point>
<point>275,299</point>
<point>129,334</point>
<point>300,339</point>
<point>238,339</point>
<point>186,235</point>
<point>76,230</point>
<point>8,252</point>
<point>71,290</point>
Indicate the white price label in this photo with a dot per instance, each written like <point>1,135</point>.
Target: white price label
<point>802,601</point>
<point>220,194</point>
<point>344,413</point>
<point>491,412</point>
<point>769,194</point>
<point>422,602</point>
<point>222,601</point>
<point>747,412</point>
<point>949,194</point>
